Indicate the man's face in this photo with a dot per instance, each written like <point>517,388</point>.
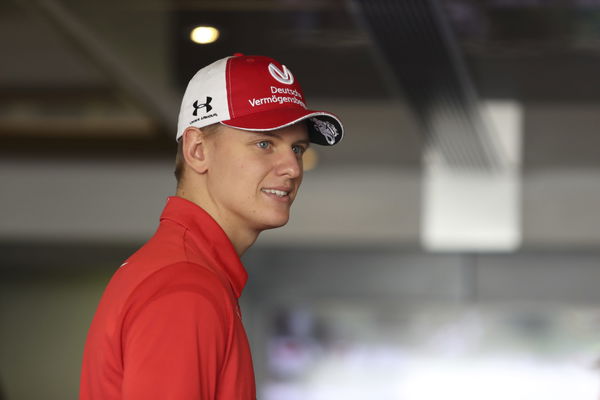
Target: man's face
<point>253,177</point>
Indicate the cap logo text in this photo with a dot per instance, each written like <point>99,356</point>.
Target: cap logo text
<point>284,76</point>
<point>206,106</point>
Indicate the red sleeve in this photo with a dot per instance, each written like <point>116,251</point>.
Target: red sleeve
<point>175,336</point>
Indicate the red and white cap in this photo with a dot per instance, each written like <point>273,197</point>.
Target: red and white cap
<point>253,93</point>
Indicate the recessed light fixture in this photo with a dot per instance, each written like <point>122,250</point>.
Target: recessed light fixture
<point>204,34</point>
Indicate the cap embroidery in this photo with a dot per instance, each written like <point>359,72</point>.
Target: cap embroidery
<point>284,76</point>
<point>206,105</point>
<point>327,129</point>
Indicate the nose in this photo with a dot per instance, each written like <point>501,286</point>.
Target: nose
<point>290,164</point>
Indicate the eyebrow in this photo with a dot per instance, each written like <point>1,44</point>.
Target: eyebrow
<point>275,135</point>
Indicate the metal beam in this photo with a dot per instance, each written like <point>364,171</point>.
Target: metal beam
<point>415,40</point>
<point>158,103</point>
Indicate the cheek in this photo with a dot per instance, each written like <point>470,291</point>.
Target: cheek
<point>246,180</point>
<point>243,174</point>
<point>254,171</point>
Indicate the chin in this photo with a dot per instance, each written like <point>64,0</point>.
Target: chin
<point>275,222</point>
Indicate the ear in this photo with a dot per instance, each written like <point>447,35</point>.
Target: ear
<point>194,149</point>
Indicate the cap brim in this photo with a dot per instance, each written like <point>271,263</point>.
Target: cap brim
<point>323,128</point>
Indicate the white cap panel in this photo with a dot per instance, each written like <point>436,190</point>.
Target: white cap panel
<point>205,101</point>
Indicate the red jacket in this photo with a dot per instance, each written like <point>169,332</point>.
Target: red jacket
<point>168,325</point>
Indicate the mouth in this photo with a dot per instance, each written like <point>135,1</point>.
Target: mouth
<point>276,192</point>
<point>281,195</point>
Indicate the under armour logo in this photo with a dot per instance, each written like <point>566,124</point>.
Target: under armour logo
<point>203,105</point>
<point>284,76</point>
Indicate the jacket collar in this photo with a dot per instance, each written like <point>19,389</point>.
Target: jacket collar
<point>208,236</point>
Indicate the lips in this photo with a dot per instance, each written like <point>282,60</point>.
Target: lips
<point>276,192</point>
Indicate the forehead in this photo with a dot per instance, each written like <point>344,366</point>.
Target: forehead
<point>294,133</point>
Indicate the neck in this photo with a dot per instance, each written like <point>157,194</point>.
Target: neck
<point>241,239</point>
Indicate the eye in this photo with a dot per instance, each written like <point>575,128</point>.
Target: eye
<point>298,149</point>
<point>263,144</point>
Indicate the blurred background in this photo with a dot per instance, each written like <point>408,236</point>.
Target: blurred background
<point>447,248</point>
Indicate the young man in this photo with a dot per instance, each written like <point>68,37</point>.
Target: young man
<point>168,325</point>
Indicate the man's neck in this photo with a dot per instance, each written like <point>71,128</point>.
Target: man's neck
<point>241,239</point>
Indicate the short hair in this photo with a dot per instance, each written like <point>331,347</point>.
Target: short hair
<point>208,130</point>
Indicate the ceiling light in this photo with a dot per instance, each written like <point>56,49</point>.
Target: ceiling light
<point>204,34</point>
